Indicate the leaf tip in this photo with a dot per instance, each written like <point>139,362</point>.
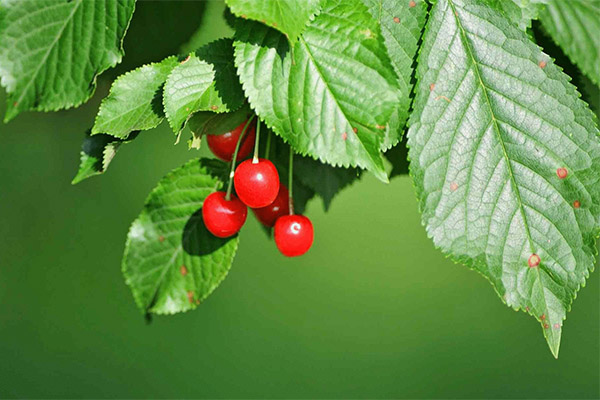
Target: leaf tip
<point>11,112</point>
<point>553,338</point>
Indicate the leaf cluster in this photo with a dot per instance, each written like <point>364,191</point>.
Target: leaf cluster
<point>504,153</point>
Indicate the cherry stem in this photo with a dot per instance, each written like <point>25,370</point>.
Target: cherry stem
<point>268,145</point>
<point>255,158</point>
<point>290,181</point>
<point>234,159</point>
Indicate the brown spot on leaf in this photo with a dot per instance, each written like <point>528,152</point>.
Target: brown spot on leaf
<point>576,204</point>
<point>186,59</point>
<point>344,136</point>
<point>213,107</point>
<point>443,97</point>
<point>546,326</point>
<point>244,16</point>
<point>190,296</point>
<point>183,270</point>
<point>161,238</point>
<point>527,308</point>
<point>380,126</point>
<point>542,64</point>
<point>562,173</point>
<point>453,186</point>
<point>412,3</point>
<point>543,317</point>
<point>556,325</point>
<point>397,20</point>
<point>534,261</point>
<point>431,87</point>
<point>354,130</point>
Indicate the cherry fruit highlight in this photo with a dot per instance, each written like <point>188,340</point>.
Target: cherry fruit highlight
<point>294,235</point>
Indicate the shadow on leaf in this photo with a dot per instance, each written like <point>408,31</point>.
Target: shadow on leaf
<point>197,240</point>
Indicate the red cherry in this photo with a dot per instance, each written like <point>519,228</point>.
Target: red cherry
<point>278,208</point>
<point>223,146</point>
<point>223,218</point>
<point>293,235</point>
<point>256,183</point>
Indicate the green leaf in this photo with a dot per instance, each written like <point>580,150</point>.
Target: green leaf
<point>485,147</point>
<point>97,152</point>
<point>51,51</point>
<point>203,82</point>
<point>288,16</point>
<point>171,261</point>
<point>135,101</point>
<point>521,12</point>
<point>575,27</point>
<point>334,100</point>
<point>401,27</point>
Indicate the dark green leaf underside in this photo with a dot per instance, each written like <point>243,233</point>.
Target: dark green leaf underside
<point>485,146</point>
<point>97,152</point>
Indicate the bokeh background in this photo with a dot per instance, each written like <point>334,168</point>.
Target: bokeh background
<point>373,310</point>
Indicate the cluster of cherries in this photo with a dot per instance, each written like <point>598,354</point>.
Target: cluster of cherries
<point>257,186</point>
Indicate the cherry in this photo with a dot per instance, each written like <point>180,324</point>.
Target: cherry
<point>278,208</point>
<point>222,217</point>
<point>293,235</point>
<point>256,183</point>
<point>223,146</point>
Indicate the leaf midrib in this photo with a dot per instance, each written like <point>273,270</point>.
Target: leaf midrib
<point>467,45</point>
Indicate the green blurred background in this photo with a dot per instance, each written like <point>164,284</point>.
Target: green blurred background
<point>373,310</point>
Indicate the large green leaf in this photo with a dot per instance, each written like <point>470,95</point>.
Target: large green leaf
<point>401,26</point>
<point>288,16</point>
<point>486,148</point>
<point>171,261</point>
<point>334,100</point>
<point>205,81</point>
<point>575,27</point>
<point>97,152</point>
<point>135,101</point>
<point>51,51</point>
